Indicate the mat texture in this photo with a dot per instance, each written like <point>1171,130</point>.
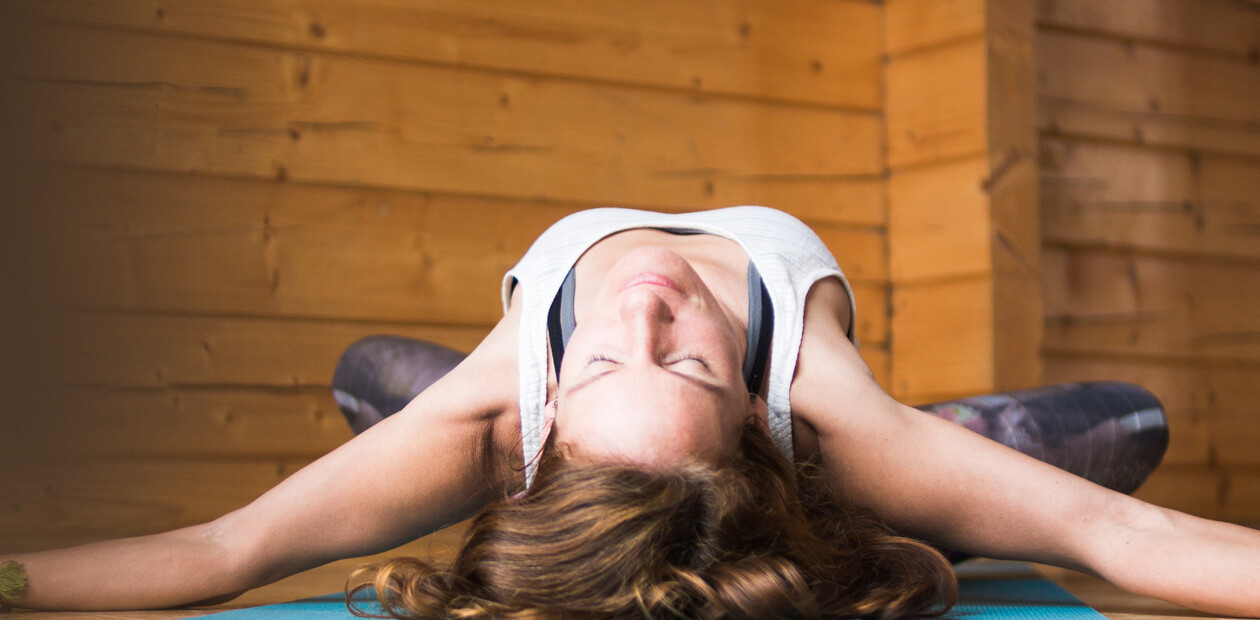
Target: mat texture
<point>989,591</point>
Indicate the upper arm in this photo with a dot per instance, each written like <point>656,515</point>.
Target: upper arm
<point>934,479</point>
<point>430,465</point>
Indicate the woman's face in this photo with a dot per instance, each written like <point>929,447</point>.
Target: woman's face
<point>653,372</point>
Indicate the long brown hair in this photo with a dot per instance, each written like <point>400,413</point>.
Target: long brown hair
<point>741,540</point>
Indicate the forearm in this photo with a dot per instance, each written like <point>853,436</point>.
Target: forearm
<point>1205,565</point>
<point>163,570</point>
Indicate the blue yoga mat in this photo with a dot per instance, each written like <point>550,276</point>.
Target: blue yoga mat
<point>988,592</point>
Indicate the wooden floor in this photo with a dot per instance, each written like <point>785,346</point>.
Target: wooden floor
<point>1100,595</point>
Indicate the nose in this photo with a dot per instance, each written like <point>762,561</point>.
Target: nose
<point>648,316</point>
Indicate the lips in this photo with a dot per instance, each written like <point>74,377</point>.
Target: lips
<point>654,279</point>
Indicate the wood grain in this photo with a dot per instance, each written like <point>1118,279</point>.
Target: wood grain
<point>184,105</point>
<point>941,226</point>
<point>165,243</point>
<point>84,500</point>
<point>914,25</point>
<point>1103,88</point>
<point>937,107</point>
<point>1207,308</point>
<point>155,351</point>
<point>823,53</point>
<point>230,422</point>
<point>942,339</point>
<point>1226,28</point>
<point>1159,201</point>
<point>1148,175</point>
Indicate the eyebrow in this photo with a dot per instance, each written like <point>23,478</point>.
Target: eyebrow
<point>716,389</point>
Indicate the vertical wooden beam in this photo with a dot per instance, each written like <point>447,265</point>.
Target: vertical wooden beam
<point>964,237</point>
<point>1014,196</point>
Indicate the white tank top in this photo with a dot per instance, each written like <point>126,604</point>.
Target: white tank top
<point>790,257</point>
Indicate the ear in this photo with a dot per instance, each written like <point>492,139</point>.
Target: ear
<point>759,414</point>
<point>549,419</point>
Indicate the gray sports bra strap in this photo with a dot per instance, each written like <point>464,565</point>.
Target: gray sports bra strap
<point>760,330</point>
<point>561,320</point>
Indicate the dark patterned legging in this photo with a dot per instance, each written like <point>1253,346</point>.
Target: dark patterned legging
<point>1111,433</point>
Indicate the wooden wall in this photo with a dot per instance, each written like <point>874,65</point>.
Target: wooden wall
<point>1150,183</point>
<point>206,202</point>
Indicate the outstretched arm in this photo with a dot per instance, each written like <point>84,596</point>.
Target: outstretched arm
<point>936,480</point>
<point>428,466</point>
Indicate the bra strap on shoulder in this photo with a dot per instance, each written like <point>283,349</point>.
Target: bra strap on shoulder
<point>760,330</point>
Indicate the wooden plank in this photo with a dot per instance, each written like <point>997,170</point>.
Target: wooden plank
<point>63,196</point>
<point>1208,306</point>
<point>1116,90</point>
<point>315,272</point>
<point>873,311</point>
<point>942,339</point>
<point>977,98</point>
<point>1086,282</point>
<point>182,424</point>
<point>825,53</point>
<point>936,107</point>
<point>134,351</point>
<point>1122,196</point>
<point>840,200</point>
<point>939,221</point>
<point>1064,118</point>
<point>1145,79</point>
<point>160,103</point>
<point>337,257</point>
<point>1012,187</point>
<point>167,243</point>
<point>1158,337</point>
<point>1230,28</point>
<point>100,499</point>
<point>1011,124</point>
<point>860,251</point>
<point>911,25</point>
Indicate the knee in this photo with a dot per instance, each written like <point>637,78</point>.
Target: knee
<point>378,375</point>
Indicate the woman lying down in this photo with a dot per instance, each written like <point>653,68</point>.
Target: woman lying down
<point>671,420</point>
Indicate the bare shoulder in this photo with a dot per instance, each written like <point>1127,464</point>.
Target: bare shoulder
<point>826,357</point>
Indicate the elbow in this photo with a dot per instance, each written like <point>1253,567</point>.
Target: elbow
<point>234,564</point>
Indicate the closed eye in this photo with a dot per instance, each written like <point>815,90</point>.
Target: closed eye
<point>689,358</point>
